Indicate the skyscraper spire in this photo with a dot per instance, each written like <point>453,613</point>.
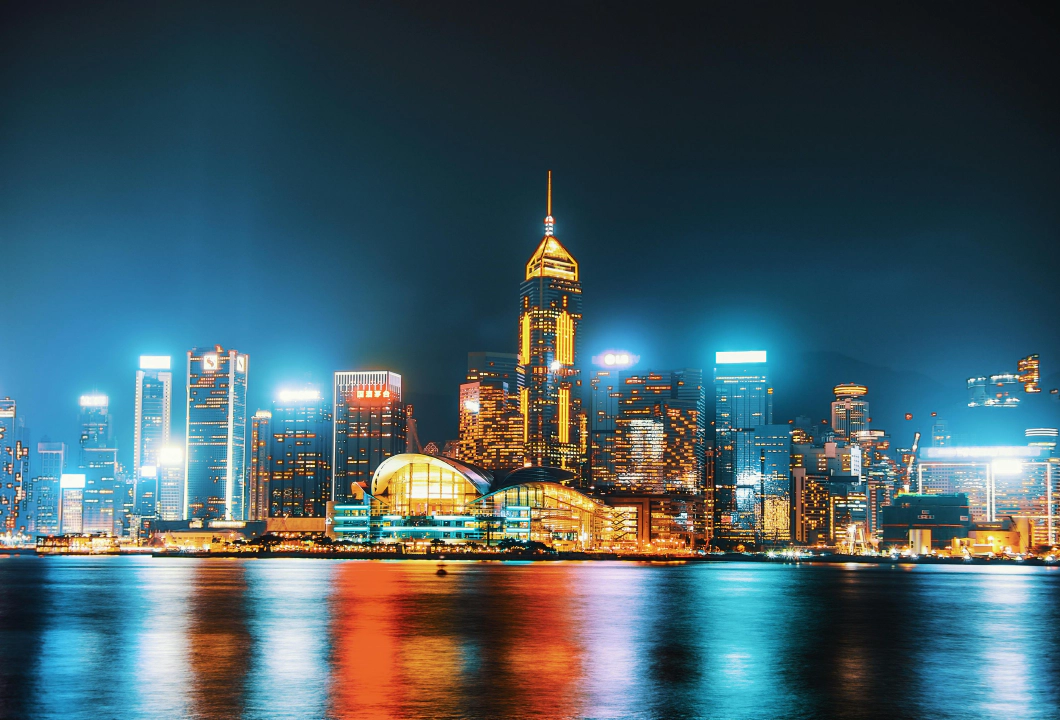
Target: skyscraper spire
<point>550,224</point>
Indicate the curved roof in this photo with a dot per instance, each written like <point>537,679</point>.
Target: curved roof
<point>524,475</point>
<point>479,477</point>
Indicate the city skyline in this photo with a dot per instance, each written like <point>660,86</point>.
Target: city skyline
<point>758,211</point>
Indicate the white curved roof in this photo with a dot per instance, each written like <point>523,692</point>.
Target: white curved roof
<point>478,477</point>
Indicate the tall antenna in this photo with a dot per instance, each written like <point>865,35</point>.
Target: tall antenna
<point>550,224</point>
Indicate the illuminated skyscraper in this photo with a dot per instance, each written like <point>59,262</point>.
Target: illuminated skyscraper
<point>151,427</point>
<point>215,448</point>
<point>14,463</point>
<point>772,497</point>
<point>170,483</point>
<point>46,494</point>
<point>490,422</point>
<point>71,503</point>
<point>660,431</point>
<point>260,464</point>
<point>850,411</point>
<point>369,427</point>
<point>605,395</point>
<point>299,456</point>
<point>743,402</point>
<point>550,311</point>
<point>102,494</point>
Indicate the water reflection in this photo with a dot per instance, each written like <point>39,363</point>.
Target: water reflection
<point>141,637</point>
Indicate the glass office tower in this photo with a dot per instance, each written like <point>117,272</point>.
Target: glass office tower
<point>743,401</point>
<point>258,503</point>
<point>370,426</point>
<point>299,455</point>
<point>98,462</point>
<point>215,448</point>
<point>46,487</point>
<point>170,483</point>
<point>850,411</point>
<point>550,312</point>
<point>151,428</point>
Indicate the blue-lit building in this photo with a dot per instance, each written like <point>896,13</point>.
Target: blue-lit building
<point>299,455</point>
<point>743,401</point>
<point>103,496</point>
<point>151,429</point>
<point>46,495</point>
<point>215,445</point>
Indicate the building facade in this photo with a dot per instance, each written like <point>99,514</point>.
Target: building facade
<point>550,313</point>
<point>216,426</point>
<point>369,427</point>
<point>46,487</point>
<point>660,431</point>
<point>490,422</point>
<point>151,429</point>
<point>743,401</point>
<point>260,466</point>
<point>605,394</point>
<point>104,493</point>
<point>299,455</point>
<point>850,411</point>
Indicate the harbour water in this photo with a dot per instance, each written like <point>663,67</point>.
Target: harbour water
<point>139,637</point>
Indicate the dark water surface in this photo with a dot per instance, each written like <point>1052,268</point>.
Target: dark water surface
<point>211,638</point>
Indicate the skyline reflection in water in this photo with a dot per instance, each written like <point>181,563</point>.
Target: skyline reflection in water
<point>282,638</point>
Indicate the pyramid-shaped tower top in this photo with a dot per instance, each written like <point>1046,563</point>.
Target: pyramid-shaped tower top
<point>551,259</point>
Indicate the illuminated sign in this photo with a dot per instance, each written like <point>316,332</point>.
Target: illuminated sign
<point>148,471</point>
<point>296,395</point>
<point>94,401</point>
<point>71,482</point>
<point>744,356</point>
<point>471,406</point>
<point>615,359</point>
<point>209,362</point>
<point>154,362</point>
<point>980,453</point>
<point>241,363</point>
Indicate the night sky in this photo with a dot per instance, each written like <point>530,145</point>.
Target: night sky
<point>338,186</point>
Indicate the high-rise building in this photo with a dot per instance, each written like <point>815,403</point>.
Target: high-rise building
<point>170,483</point>
<point>299,455</point>
<point>850,411</point>
<point>102,494</point>
<point>71,503</point>
<point>772,444</point>
<point>605,394</point>
<point>151,429</point>
<point>660,431</point>
<point>743,401</point>
<point>46,487</point>
<point>369,427</point>
<point>215,445</point>
<point>550,312</point>
<point>260,464</point>
<point>14,466</point>
<point>490,423</point>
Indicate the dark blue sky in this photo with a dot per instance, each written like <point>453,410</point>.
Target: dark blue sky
<point>342,186</point>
